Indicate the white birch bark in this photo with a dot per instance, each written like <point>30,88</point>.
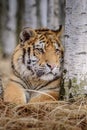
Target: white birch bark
<point>9,32</point>
<point>76,44</point>
<point>30,19</point>
<point>59,13</point>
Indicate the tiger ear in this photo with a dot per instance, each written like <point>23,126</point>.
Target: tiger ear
<point>26,34</point>
<point>59,31</point>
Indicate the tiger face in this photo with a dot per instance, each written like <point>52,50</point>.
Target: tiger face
<point>39,54</point>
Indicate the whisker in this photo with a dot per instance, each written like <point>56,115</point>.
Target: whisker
<point>44,93</point>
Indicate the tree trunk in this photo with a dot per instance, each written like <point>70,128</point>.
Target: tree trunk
<point>58,13</point>
<point>20,16</point>
<point>76,46</point>
<point>9,36</point>
<point>43,12</point>
<point>50,13</point>
<point>30,19</point>
<point>0,25</point>
<point>62,12</point>
<point>2,20</point>
<point>56,21</point>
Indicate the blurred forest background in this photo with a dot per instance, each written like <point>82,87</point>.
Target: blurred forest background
<point>17,14</point>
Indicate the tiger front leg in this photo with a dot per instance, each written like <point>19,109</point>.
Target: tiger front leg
<point>45,97</point>
<point>14,93</point>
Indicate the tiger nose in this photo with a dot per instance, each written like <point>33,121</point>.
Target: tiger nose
<point>51,66</point>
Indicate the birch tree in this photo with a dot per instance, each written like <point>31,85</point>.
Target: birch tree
<point>0,24</point>
<point>56,22</point>
<point>20,16</point>
<point>43,12</point>
<point>50,13</point>
<point>9,31</point>
<point>30,19</point>
<point>56,13</point>
<point>76,45</point>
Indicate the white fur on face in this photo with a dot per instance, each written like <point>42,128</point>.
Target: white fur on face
<point>47,77</point>
<point>51,74</point>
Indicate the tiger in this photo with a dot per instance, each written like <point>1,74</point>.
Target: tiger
<point>36,67</point>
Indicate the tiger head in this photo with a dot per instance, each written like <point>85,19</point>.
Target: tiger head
<point>39,54</point>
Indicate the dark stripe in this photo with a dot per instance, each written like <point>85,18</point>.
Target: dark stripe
<point>42,29</point>
<point>23,56</point>
<point>15,72</point>
<point>18,83</point>
<point>51,88</point>
<point>27,83</point>
<point>27,94</point>
<point>28,51</point>
<point>29,60</point>
<point>13,69</point>
<point>41,38</point>
<point>43,86</point>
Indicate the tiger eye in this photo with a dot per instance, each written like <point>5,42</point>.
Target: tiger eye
<point>40,50</point>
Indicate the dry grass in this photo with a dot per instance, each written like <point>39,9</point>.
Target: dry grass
<point>61,115</point>
<point>44,116</point>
